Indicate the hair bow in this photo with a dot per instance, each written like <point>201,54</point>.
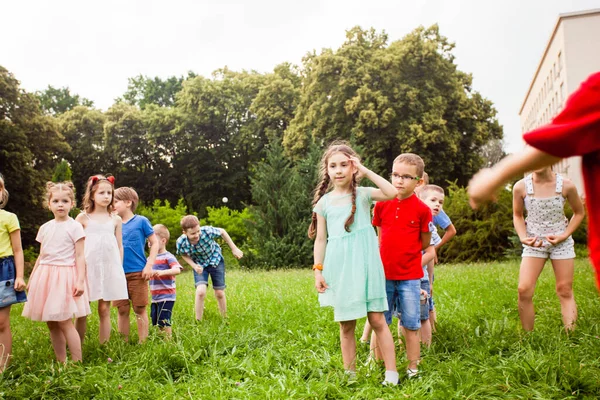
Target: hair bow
<point>95,180</point>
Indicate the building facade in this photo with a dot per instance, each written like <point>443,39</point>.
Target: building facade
<point>571,55</point>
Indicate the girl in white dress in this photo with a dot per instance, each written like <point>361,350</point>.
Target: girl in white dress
<point>103,251</point>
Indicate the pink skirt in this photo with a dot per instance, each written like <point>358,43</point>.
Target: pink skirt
<point>50,296</point>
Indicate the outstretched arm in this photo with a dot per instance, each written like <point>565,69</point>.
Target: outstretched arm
<point>386,190</point>
<point>484,185</point>
<point>237,253</point>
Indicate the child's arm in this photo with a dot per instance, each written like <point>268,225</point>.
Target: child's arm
<point>192,264</point>
<point>386,190</point>
<point>17,248</point>
<point>319,252</point>
<point>168,272</point>
<point>237,253</point>
<point>578,213</point>
<point>119,235</point>
<point>428,255</point>
<point>518,217</point>
<point>484,185</point>
<point>147,271</point>
<point>449,233</point>
<point>80,265</point>
<point>425,240</point>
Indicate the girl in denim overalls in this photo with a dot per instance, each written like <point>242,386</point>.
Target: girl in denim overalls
<point>546,233</point>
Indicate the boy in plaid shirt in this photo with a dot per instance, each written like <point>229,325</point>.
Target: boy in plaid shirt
<point>198,248</point>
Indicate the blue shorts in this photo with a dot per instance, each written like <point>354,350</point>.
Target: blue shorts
<point>161,313</point>
<point>8,294</point>
<point>424,306</point>
<point>404,298</point>
<point>217,276</point>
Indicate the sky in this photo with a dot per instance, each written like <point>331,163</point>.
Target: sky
<point>93,47</point>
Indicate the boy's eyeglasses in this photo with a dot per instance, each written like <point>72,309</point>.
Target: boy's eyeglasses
<point>405,177</point>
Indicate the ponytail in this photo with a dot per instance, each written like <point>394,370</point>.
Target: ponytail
<point>350,219</point>
<point>320,191</point>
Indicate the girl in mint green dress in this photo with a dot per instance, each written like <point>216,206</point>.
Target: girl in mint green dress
<point>348,270</point>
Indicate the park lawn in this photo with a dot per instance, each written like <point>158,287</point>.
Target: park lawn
<point>278,343</point>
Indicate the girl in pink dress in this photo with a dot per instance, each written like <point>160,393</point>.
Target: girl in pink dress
<point>57,282</point>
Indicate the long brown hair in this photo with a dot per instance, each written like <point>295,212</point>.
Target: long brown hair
<point>325,183</point>
<point>3,193</point>
<point>90,190</point>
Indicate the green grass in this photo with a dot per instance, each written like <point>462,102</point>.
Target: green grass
<point>278,343</point>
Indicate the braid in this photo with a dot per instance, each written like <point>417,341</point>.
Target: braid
<point>350,219</point>
<point>319,192</point>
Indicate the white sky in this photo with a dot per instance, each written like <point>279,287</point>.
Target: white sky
<point>93,47</point>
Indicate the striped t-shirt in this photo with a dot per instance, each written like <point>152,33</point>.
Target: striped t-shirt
<point>162,288</point>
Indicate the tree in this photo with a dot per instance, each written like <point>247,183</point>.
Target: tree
<point>30,147</point>
<point>281,194</point>
<point>62,172</point>
<point>405,97</point>
<point>55,101</point>
<point>143,91</point>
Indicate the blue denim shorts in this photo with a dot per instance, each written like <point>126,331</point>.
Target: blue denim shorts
<point>161,313</point>
<point>217,276</point>
<point>425,306</point>
<point>8,273</point>
<point>404,298</point>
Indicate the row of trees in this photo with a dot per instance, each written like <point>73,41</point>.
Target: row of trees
<point>252,137</point>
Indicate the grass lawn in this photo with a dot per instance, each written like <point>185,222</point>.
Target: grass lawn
<point>278,344</point>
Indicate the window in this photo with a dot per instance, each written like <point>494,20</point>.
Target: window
<point>554,76</point>
<point>562,92</point>
<point>560,63</point>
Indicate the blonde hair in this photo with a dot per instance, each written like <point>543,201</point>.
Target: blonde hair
<point>425,178</point>
<point>428,189</point>
<point>66,186</point>
<point>162,231</point>
<point>325,183</point>
<point>90,190</point>
<point>3,193</point>
<point>189,222</point>
<point>412,159</point>
<point>127,194</point>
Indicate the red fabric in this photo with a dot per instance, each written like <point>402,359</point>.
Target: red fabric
<point>576,132</point>
<point>401,223</point>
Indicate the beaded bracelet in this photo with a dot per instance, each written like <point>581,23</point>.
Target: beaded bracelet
<point>318,266</point>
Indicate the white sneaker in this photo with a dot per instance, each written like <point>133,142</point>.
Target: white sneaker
<point>412,373</point>
<point>391,378</point>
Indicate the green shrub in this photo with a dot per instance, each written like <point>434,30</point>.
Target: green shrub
<point>233,221</point>
<point>482,234</point>
<point>159,213</point>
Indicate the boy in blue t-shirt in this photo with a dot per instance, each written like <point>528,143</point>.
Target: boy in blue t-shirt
<point>198,248</point>
<point>138,269</point>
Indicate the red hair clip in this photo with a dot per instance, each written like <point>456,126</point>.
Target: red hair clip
<point>111,179</point>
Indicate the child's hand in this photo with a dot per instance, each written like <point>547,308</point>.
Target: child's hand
<point>481,190</point>
<point>532,241</point>
<point>362,170</point>
<point>320,284</point>
<point>237,253</point>
<point>147,272</point>
<point>424,293</point>
<point>79,288</point>
<point>156,274</point>
<point>198,269</point>
<point>555,239</point>
<point>19,284</point>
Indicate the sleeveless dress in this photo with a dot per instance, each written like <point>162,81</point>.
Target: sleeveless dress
<point>352,267</point>
<point>546,216</point>
<point>105,275</point>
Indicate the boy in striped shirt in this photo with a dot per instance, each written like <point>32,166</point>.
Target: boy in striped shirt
<point>162,283</point>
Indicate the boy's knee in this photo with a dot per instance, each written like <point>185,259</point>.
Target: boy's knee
<point>123,310</point>
<point>139,310</point>
<point>201,291</point>
<point>564,290</point>
<point>525,291</point>
<point>220,294</point>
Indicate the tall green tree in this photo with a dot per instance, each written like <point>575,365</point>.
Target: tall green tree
<point>83,129</point>
<point>388,99</point>
<point>143,91</point>
<point>55,101</point>
<point>30,148</point>
<point>62,172</point>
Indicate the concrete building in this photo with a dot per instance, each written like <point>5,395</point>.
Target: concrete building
<point>571,55</point>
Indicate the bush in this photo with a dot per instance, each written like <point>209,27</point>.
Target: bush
<point>482,234</point>
<point>159,213</point>
<point>233,221</point>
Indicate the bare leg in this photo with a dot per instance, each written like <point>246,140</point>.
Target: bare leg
<point>141,317</point>
<point>167,331</point>
<point>413,347</point>
<point>123,321</point>
<point>81,326</point>
<point>563,271</point>
<point>432,319</point>
<point>531,268</point>
<point>104,316</point>
<point>385,341</point>
<point>221,302</point>
<point>72,338</point>
<point>348,343</point>
<point>5,338</point>
<point>426,332</point>
<point>59,343</point>
<point>366,332</point>
<point>199,303</point>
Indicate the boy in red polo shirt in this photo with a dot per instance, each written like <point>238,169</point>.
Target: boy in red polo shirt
<point>403,227</point>
<point>574,132</point>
